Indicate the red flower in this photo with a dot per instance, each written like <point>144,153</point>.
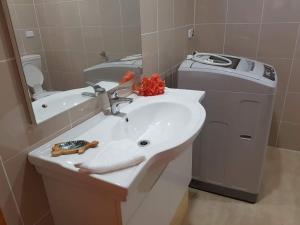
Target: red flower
<point>151,86</point>
<point>127,77</point>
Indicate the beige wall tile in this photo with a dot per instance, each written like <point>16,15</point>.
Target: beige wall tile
<point>131,11</point>
<point>210,37</point>
<point>278,107</point>
<point>150,53</point>
<point>278,40</point>
<point>93,59</point>
<point>132,40</point>
<point>241,39</point>
<point>21,1</point>
<point>149,15</point>
<point>25,16</point>
<point>10,86</point>
<point>244,11</point>
<point>274,133</point>
<point>112,40</point>
<point>289,136</point>
<point>110,17</point>
<point>93,39</point>
<point>49,14</point>
<point>53,38</point>
<point>208,11</point>
<point>7,203</point>
<point>90,12</point>
<point>294,85</point>
<point>73,39</point>
<point>281,11</point>
<point>28,188</point>
<point>297,51</point>
<point>166,50</point>
<point>179,45</point>
<point>183,12</point>
<point>31,44</point>
<point>5,46</point>
<point>292,108</point>
<point>165,14</point>
<point>57,61</point>
<point>70,13</point>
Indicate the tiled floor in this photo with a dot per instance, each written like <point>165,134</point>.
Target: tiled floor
<point>279,202</point>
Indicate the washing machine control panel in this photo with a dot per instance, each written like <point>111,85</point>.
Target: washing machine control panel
<point>269,73</point>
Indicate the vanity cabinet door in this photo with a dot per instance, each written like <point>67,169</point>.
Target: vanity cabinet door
<point>161,203</point>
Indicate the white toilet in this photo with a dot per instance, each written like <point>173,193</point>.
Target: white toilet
<point>32,66</point>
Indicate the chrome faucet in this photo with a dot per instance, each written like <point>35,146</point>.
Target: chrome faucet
<point>115,100</point>
<point>97,90</point>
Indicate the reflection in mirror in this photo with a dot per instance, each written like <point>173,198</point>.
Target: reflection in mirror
<point>65,43</point>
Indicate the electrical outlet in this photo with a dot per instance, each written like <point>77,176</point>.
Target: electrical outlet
<point>190,33</point>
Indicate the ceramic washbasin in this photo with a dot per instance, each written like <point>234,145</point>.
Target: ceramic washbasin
<point>170,123</point>
<point>156,122</point>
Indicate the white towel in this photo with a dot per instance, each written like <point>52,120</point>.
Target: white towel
<point>115,156</point>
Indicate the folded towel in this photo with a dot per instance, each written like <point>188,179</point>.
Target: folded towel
<point>115,156</point>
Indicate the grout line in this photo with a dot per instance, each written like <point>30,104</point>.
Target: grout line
<point>15,30</point>
<point>11,192</point>
<point>122,27</point>
<point>41,142</point>
<point>42,217</point>
<point>291,123</point>
<point>245,23</point>
<point>173,13</point>
<point>195,11</point>
<point>168,29</point>
<point>81,33</point>
<point>288,84</point>
<point>7,60</point>
<point>44,61</point>
<point>225,29</point>
<point>260,29</point>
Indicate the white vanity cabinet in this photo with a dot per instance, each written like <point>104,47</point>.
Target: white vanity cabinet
<point>153,200</point>
<point>161,202</point>
<point>146,194</point>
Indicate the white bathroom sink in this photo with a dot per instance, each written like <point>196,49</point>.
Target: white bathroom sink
<point>47,107</point>
<point>158,122</point>
<point>169,123</point>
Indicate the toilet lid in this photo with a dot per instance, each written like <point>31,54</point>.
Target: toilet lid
<point>33,75</point>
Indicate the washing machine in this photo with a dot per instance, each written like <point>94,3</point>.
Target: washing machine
<point>229,153</point>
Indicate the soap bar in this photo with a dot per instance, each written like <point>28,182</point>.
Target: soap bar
<point>72,147</point>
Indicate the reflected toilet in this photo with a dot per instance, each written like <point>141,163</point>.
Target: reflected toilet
<point>32,65</point>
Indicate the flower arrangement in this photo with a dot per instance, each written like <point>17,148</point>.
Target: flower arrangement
<point>148,85</point>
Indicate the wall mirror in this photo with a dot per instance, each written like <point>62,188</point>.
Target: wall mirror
<point>63,44</point>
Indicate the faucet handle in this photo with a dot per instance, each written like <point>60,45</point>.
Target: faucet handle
<point>97,88</point>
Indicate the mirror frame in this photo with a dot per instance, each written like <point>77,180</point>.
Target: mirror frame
<point>17,58</point>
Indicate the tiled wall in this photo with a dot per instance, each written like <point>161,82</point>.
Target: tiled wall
<point>164,43</point>
<point>23,199</point>
<point>266,30</point>
<point>164,33</point>
<point>70,35</point>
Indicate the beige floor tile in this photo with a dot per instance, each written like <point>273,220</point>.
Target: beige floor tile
<point>279,203</point>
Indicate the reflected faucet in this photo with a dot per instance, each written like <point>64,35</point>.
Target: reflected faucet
<point>97,90</point>
<point>115,100</point>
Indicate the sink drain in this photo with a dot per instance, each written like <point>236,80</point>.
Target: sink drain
<point>143,143</point>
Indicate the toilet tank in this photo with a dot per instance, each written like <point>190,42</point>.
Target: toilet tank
<point>34,60</point>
